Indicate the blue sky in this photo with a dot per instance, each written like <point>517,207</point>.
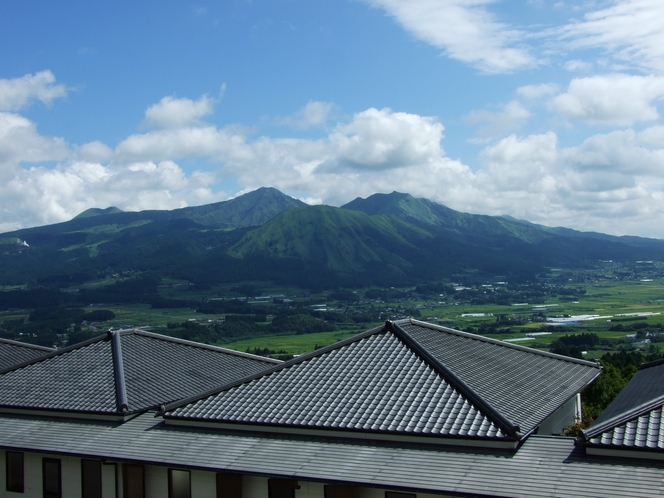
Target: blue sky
<point>548,111</point>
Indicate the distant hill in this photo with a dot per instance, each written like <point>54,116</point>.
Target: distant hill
<point>266,235</point>
<point>98,212</point>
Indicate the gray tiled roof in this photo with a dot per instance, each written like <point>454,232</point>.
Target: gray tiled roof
<point>133,370</point>
<point>541,467</point>
<point>634,419</point>
<point>523,384</point>
<point>14,353</point>
<point>398,379</point>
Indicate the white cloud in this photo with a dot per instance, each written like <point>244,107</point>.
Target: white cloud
<point>171,112</point>
<point>16,93</point>
<point>95,151</point>
<point>577,66</point>
<point>181,142</point>
<point>532,92</point>
<point>314,113</point>
<point>607,184</point>
<point>613,99</point>
<point>465,30</point>
<point>630,30</point>
<point>652,136</point>
<point>20,142</point>
<point>496,124</point>
<point>43,195</point>
<point>379,139</point>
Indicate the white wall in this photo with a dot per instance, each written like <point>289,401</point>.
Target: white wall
<point>71,477</point>
<point>562,417</point>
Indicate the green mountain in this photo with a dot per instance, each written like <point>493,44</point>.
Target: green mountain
<point>267,236</point>
<point>98,212</point>
<point>426,212</point>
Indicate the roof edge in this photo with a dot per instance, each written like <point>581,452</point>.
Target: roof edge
<point>200,345</point>
<point>498,418</point>
<point>341,433</point>
<point>56,352</point>
<point>650,364</point>
<point>502,343</point>
<point>167,407</point>
<point>623,418</point>
<point>27,345</point>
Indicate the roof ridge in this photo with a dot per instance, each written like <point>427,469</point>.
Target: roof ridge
<point>468,392</point>
<point>500,343</point>
<point>624,417</point>
<point>650,364</point>
<point>281,366</point>
<point>118,371</point>
<point>56,352</point>
<point>200,345</point>
<point>26,344</point>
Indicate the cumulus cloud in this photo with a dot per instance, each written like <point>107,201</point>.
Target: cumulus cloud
<point>16,93</point>
<point>380,139</point>
<point>496,124</point>
<point>171,112</point>
<point>314,113</point>
<point>182,142</point>
<point>95,151</point>
<point>42,195</point>
<point>652,136</point>
<point>20,142</point>
<point>608,183</point>
<point>613,99</point>
<point>630,30</point>
<point>465,30</point>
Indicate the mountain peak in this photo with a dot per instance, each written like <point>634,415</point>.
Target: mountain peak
<point>89,213</point>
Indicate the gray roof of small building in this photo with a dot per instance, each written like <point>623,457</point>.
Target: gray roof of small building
<point>122,373</point>
<point>542,466</point>
<point>634,419</point>
<point>14,353</point>
<point>406,377</point>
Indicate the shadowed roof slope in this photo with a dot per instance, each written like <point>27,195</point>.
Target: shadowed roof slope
<point>123,373</point>
<point>525,385</point>
<point>633,420</point>
<point>13,353</point>
<point>381,381</point>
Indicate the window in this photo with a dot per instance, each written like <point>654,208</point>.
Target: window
<point>179,483</point>
<point>394,494</point>
<point>91,478</point>
<point>51,478</point>
<point>229,485</point>
<point>14,461</point>
<point>336,491</point>
<point>282,488</point>
<point>133,481</point>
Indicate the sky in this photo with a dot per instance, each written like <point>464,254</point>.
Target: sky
<point>548,111</point>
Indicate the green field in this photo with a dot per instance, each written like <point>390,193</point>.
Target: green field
<point>292,344</point>
<point>605,297</point>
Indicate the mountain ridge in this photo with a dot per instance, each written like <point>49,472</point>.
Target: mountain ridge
<point>267,235</point>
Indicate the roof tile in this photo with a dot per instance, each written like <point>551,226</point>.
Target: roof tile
<point>157,369</point>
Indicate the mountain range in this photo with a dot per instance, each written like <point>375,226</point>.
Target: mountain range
<point>266,235</point>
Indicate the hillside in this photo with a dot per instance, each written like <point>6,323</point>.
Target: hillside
<point>266,235</point>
